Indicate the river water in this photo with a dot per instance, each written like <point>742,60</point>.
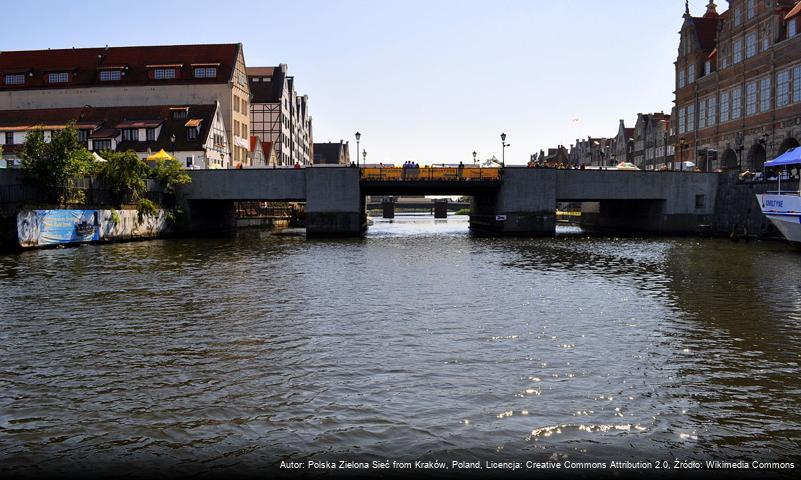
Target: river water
<point>416,342</point>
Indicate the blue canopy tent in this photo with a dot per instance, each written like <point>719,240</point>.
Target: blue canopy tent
<point>790,157</point>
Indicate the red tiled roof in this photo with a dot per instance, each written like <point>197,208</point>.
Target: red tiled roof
<point>795,11</point>
<point>706,30</point>
<point>135,62</point>
<point>108,118</point>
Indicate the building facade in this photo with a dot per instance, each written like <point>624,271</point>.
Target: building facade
<point>195,134</point>
<point>332,153</point>
<point>590,152</point>
<point>279,115</point>
<point>738,84</point>
<point>133,76</point>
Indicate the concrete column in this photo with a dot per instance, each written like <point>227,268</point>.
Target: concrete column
<point>334,203</point>
<point>388,207</point>
<point>525,205</point>
<point>441,208</point>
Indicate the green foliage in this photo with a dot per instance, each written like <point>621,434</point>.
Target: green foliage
<point>146,208</point>
<point>58,163</point>
<point>462,211</point>
<point>125,174</point>
<point>170,173</point>
<point>115,217</point>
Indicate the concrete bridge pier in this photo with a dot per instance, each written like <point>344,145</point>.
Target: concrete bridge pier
<point>523,206</point>
<point>335,206</point>
<point>441,208</point>
<point>388,207</point>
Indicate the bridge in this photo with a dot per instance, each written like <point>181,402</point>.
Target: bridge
<point>515,201</point>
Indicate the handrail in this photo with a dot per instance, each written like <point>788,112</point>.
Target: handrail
<point>429,174</point>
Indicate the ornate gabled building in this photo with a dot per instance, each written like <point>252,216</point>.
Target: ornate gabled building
<point>738,84</point>
<point>281,116</point>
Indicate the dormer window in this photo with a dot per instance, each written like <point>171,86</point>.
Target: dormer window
<point>179,113</point>
<point>15,79</point>
<point>205,72</point>
<point>193,128</point>
<point>164,73</point>
<point>130,134</point>
<point>58,77</point>
<point>110,75</point>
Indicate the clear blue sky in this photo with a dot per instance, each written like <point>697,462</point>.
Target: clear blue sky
<point>429,81</point>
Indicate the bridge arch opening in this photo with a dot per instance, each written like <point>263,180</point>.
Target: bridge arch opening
<point>756,158</point>
<point>729,160</point>
<point>787,144</point>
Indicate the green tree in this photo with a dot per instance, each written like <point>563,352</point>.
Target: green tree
<point>125,175</point>
<point>170,173</point>
<point>58,163</point>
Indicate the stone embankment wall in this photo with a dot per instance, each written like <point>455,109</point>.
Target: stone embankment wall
<point>737,210</point>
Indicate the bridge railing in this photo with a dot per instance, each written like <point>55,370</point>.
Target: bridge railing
<point>430,174</point>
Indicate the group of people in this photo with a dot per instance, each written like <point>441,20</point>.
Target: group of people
<point>410,164</point>
<point>559,165</point>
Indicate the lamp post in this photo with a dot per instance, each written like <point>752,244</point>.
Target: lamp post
<point>172,141</point>
<point>358,136</point>
<point>474,157</point>
<point>364,157</point>
<point>614,158</point>
<point>503,150</point>
<point>681,154</point>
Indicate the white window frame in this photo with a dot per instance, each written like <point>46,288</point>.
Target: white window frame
<point>165,74</point>
<point>765,94</point>
<point>724,106</point>
<point>736,102</point>
<point>783,88</point>
<point>110,75</point>
<point>205,72</point>
<point>751,98</point>
<point>58,77</point>
<point>14,79</point>
<point>737,51</point>
<point>690,118</point>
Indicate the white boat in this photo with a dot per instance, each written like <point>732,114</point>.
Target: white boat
<point>783,209</point>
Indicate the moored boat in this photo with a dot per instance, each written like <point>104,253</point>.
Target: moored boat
<point>783,209</point>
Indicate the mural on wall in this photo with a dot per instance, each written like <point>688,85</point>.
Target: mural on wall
<point>58,227</point>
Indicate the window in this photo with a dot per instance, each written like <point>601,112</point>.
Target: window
<point>782,88</point>
<point>711,111</point>
<point>797,84</point>
<point>765,39</point>
<point>738,17</point>
<point>750,44</point>
<point>179,114</point>
<point>236,128</point>
<point>702,113</point>
<point>164,73</point>
<point>792,28</point>
<point>764,94</point>
<point>58,77</point>
<point>130,134</point>
<point>723,59</point>
<point>207,72</point>
<point>83,136</point>
<point>700,201</point>
<point>724,106</point>
<point>98,145</point>
<point>150,134</point>
<point>707,67</point>
<point>15,79</point>
<point>191,133</point>
<point>737,49</point>
<point>110,75</point>
<point>752,10</point>
<point>750,98</point>
<point>736,102</point>
<point>9,138</point>
<point>691,73</point>
<point>690,118</point>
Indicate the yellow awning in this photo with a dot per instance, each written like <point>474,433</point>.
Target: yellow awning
<point>161,155</point>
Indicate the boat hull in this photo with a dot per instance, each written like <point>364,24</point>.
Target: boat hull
<point>784,211</point>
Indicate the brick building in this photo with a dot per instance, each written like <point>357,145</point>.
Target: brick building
<point>738,84</point>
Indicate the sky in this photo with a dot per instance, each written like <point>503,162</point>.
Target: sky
<point>428,81</point>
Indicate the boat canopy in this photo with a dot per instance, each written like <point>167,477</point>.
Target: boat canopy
<point>790,157</point>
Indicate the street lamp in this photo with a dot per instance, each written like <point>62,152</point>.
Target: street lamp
<point>681,154</point>
<point>358,136</point>
<point>172,141</point>
<point>364,157</point>
<point>503,150</point>
<point>474,157</point>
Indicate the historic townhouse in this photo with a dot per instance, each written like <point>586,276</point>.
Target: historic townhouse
<point>622,145</point>
<point>650,131</point>
<point>280,116</point>
<point>738,84</point>
<point>174,75</point>
<point>331,153</point>
<point>592,151</point>
<point>194,134</point>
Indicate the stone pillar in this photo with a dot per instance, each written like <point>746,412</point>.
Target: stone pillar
<point>388,207</point>
<point>334,203</point>
<point>441,208</point>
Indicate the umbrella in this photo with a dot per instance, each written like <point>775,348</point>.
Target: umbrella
<point>98,158</point>
<point>626,166</point>
<point>161,155</point>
